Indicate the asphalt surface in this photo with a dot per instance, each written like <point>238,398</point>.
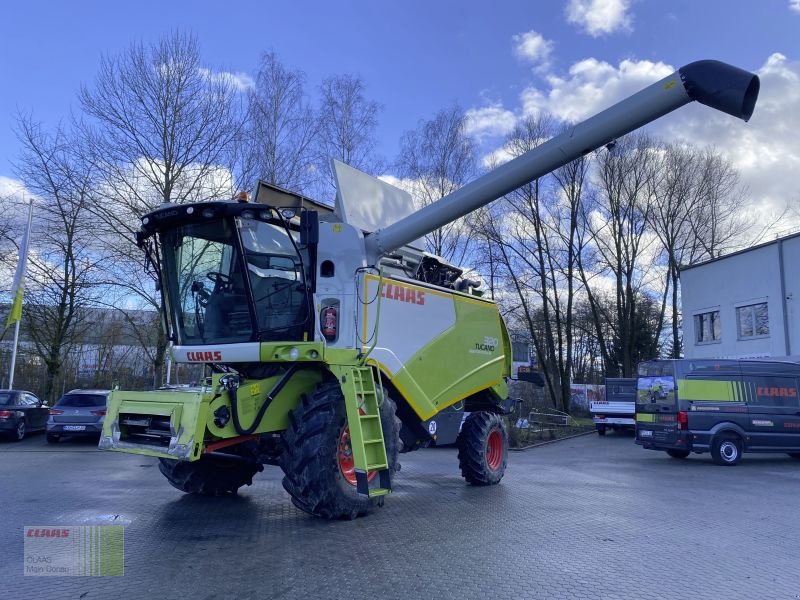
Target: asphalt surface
<point>587,517</point>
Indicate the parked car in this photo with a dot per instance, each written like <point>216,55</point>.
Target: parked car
<point>79,412</point>
<point>20,413</point>
<point>725,407</point>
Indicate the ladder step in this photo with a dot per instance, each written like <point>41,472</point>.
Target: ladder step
<point>377,467</point>
<point>378,441</point>
<point>362,417</point>
<point>378,492</point>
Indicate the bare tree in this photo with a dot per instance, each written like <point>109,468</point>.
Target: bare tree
<point>438,157</point>
<point>160,127</point>
<point>281,128</point>
<point>65,261</point>
<point>627,179</point>
<point>347,122</point>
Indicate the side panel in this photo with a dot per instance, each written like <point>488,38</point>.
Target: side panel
<point>436,347</point>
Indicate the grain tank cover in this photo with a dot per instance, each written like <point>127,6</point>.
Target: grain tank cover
<point>367,202</point>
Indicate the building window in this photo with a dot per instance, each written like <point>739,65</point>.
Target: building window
<point>707,327</point>
<point>752,321</point>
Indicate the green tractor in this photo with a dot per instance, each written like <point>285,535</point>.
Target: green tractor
<point>331,342</point>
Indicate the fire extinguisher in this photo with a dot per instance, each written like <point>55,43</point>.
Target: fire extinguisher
<point>329,322</point>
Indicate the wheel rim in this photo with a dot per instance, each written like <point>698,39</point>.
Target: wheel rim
<point>494,450</point>
<point>21,430</point>
<point>729,451</point>
<point>347,463</point>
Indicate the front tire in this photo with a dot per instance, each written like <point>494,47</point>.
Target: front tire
<point>209,476</point>
<point>317,475</point>
<point>483,448</point>
<point>726,450</point>
<point>20,431</point>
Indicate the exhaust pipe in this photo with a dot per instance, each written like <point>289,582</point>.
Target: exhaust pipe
<point>710,82</point>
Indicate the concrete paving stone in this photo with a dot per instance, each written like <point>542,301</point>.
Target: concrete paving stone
<point>584,518</point>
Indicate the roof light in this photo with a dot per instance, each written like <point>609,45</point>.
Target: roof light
<point>242,197</point>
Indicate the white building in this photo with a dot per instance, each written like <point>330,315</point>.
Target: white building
<point>743,305</point>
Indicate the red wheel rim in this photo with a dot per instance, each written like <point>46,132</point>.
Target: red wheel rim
<point>494,450</point>
<point>347,464</point>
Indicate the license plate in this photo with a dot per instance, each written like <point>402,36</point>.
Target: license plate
<point>643,433</point>
<point>74,427</point>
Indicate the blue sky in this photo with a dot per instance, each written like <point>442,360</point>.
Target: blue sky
<point>499,59</point>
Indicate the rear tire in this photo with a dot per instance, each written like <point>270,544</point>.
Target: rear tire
<point>209,476</point>
<point>483,448</point>
<point>726,450</point>
<point>20,431</point>
<point>678,453</point>
<point>601,429</point>
<point>52,438</point>
<point>313,476</point>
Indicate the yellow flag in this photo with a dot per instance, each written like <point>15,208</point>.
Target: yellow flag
<point>17,288</point>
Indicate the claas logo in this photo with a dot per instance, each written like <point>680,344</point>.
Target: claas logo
<point>215,356</point>
<point>392,291</point>
<point>777,391</point>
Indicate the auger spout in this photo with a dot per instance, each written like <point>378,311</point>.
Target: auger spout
<point>713,83</point>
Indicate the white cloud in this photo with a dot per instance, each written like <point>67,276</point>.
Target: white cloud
<point>794,5</point>
<point>496,157</point>
<point>12,188</point>
<point>533,47</point>
<point>591,86</point>
<point>239,81</point>
<point>489,121</point>
<point>599,17</point>
<point>765,151</point>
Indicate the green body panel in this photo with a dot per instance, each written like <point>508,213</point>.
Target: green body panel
<point>282,352</point>
<point>187,411</point>
<point>708,389</point>
<point>466,359</point>
<point>191,413</point>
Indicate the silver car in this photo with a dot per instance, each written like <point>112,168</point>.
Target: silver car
<point>79,412</point>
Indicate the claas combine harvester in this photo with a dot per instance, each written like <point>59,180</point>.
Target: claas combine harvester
<point>332,343</point>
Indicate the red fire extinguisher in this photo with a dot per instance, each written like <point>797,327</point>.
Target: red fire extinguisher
<point>329,322</point>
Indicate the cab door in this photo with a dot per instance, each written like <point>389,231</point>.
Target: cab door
<point>774,411</point>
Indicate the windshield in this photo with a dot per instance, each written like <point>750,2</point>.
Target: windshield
<point>210,283</point>
<point>83,400</point>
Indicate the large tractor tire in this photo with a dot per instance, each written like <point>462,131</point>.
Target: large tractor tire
<point>483,448</point>
<point>317,460</point>
<point>209,476</point>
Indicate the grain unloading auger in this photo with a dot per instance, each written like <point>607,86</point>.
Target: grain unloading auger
<point>331,342</point>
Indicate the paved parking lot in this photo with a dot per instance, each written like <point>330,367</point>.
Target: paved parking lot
<point>583,518</point>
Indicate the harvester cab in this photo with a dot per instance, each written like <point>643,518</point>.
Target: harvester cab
<point>331,341</point>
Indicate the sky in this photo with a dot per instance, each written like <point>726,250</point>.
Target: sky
<point>498,60</point>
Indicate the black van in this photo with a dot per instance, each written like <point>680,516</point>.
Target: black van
<point>725,407</point>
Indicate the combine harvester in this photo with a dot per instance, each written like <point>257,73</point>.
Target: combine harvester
<point>332,343</point>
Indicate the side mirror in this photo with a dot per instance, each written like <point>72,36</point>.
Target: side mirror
<point>309,227</point>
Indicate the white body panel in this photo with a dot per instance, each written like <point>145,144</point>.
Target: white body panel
<point>614,412</point>
<point>343,246</point>
<point>411,316</point>
<point>245,352</point>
